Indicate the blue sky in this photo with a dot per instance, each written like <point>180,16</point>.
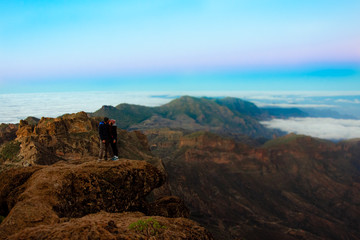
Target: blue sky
<point>179,45</point>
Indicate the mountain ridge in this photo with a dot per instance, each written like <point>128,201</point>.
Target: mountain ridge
<point>226,116</point>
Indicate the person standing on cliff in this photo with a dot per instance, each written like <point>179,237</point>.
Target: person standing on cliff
<point>113,142</point>
<point>104,135</point>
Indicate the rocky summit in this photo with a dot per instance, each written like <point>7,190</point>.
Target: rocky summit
<point>72,138</point>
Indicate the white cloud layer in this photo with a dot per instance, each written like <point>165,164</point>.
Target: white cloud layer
<point>15,107</point>
<point>326,128</point>
<point>355,101</point>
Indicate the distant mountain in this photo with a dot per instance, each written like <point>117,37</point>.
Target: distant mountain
<point>228,116</point>
<point>283,112</point>
<point>126,114</point>
<point>241,108</point>
<point>326,113</point>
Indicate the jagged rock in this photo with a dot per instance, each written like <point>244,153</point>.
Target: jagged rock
<point>39,201</point>
<point>74,137</point>
<point>68,137</point>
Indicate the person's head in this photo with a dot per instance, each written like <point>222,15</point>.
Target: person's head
<point>106,119</point>
<point>112,122</point>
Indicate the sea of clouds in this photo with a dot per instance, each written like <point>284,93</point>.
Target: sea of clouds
<point>14,107</point>
<point>326,128</point>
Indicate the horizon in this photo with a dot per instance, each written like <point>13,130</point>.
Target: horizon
<point>343,124</point>
<point>307,79</point>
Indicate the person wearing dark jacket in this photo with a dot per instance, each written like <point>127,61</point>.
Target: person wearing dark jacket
<point>113,136</point>
<point>104,135</point>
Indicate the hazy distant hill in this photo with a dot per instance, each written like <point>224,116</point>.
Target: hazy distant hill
<point>326,113</point>
<point>284,112</point>
<point>241,108</point>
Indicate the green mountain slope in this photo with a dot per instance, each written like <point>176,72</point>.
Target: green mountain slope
<point>240,107</point>
<point>125,114</point>
<point>228,116</point>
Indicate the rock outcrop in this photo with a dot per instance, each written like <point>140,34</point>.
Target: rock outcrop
<point>74,138</point>
<point>53,139</point>
<point>88,201</point>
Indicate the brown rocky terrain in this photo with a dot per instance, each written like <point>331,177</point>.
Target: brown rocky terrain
<point>73,138</point>
<point>52,187</point>
<point>88,201</point>
<point>294,187</point>
<point>114,226</point>
<point>9,147</point>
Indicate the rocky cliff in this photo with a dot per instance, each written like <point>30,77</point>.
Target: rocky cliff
<point>74,138</point>
<point>294,187</point>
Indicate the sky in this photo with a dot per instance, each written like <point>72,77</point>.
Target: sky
<point>63,56</point>
<point>187,45</point>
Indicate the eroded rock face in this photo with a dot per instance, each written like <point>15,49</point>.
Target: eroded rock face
<point>60,198</point>
<point>74,137</point>
<point>71,136</point>
<point>295,187</point>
